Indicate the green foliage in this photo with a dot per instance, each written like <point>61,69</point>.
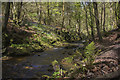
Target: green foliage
<point>59,73</point>
<point>56,74</point>
<point>44,39</point>
<point>88,56</point>
<point>56,65</point>
<point>46,76</point>
<point>20,45</point>
<point>68,59</point>
<point>54,62</point>
<point>90,53</point>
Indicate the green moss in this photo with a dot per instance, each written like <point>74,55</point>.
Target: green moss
<point>27,42</point>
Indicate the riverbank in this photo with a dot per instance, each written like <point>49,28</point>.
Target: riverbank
<point>24,41</point>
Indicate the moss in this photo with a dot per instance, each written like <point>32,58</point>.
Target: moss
<point>24,42</point>
<point>19,52</point>
<point>24,49</point>
<point>57,43</point>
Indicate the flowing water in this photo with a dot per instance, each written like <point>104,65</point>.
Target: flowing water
<point>37,65</point>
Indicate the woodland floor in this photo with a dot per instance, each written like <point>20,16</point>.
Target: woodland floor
<point>108,63</point>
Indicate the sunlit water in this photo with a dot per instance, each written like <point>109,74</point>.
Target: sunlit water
<point>35,66</point>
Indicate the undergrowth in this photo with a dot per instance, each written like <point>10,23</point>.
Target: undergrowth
<point>72,67</point>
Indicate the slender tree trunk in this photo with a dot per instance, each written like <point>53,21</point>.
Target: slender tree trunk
<point>79,24</point>
<point>86,23</point>
<point>104,19</point>
<point>7,13</point>
<point>39,12</point>
<point>91,23</point>
<point>14,13</point>
<point>118,21</point>
<point>115,11</point>
<point>63,14</point>
<point>45,20</point>
<point>40,15</point>
<point>86,19</point>
<point>79,30</point>
<point>117,14</point>
<point>48,20</point>
<point>5,31</point>
<point>11,11</point>
<point>101,16</point>
<point>69,22</point>
<point>97,20</point>
<point>19,10</point>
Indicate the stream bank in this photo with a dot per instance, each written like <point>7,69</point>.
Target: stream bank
<point>36,65</point>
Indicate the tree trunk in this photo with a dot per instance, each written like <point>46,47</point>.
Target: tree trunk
<point>11,11</point>
<point>104,19</point>
<point>5,31</point>
<point>97,20</point>
<point>118,21</point>
<point>101,16</point>
<point>19,10</point>
<point>79,23</point>
<point>7,13</point>
<point>86,19</point>
<point>40,15</point>
<point>63,14</point>
<point>115,12</point>
<point>91,23</point>
<point>69,22</point>
<point>39,12</point>
<point>86,23</point>
<point>48,20</point>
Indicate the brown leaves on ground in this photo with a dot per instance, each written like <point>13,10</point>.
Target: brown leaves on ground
<point>109,60</point>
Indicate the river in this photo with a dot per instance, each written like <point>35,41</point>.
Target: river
<point>36,65</point>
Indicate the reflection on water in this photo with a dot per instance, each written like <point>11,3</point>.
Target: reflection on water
<point>34,66</point>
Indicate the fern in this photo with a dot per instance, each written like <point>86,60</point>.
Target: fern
<point>55,65</point>
<point>90,54</point>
